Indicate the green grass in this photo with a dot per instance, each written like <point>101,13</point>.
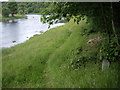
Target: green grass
<point>11,18</point>
<point>33,13</point>
<point>45,61</point>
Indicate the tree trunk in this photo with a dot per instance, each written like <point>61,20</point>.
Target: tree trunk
<point>105,23</point>
<point>12,14</point>
<point>113,25</point>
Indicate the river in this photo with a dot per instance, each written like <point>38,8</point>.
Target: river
<point>18,31</point>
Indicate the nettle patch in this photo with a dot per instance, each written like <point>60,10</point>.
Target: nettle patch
<point>79,57</point>
<point>80,61</point>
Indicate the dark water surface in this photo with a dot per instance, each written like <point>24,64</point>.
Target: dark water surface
<point>18,31</point>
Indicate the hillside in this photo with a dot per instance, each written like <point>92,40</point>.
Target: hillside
<point>59,58</point>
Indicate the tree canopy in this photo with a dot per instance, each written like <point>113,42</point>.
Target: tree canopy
<point>101,14</point>
<point>12,6</point>
<point>7,8</point>
<point>21,7</point>
<point>105,18</point>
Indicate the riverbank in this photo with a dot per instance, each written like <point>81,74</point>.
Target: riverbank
<point>55,59</point>
<point>3,19</point>
<point>31,27</point>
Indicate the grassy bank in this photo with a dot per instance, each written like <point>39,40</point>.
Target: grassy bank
<point>53,59</point>
<point>12,18</point>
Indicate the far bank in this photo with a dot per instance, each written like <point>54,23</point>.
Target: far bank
<point>5,19</point>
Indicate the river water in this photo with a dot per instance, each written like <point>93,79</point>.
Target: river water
<point>18,31</point>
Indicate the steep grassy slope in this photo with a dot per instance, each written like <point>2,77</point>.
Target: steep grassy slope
<point>48,60</point>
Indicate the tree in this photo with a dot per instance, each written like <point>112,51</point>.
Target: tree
<point>5,12</point>
<point>104,15</point>
<point>22,8</point>
<point>13,8</point>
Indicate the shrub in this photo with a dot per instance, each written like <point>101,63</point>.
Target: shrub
<point>110,50</point>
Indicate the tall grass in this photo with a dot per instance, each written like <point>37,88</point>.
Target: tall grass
<point>45,61</point>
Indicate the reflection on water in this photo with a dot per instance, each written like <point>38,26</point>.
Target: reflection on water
<point>20,30</point>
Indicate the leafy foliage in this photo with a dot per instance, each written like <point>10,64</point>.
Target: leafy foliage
<point>110,50</point>
<point>12,6</point>
<point>104,16</point>
<point>22,7</point>
<point>101,14</point>
<point>5,12</point>
<point>7,8</point>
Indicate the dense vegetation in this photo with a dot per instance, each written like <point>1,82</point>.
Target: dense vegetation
<point>104,16</point>
<point>63,56</point>
<point>21,7</point>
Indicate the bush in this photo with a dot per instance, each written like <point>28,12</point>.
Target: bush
<point>110,50</point>
<point>82,60</point>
